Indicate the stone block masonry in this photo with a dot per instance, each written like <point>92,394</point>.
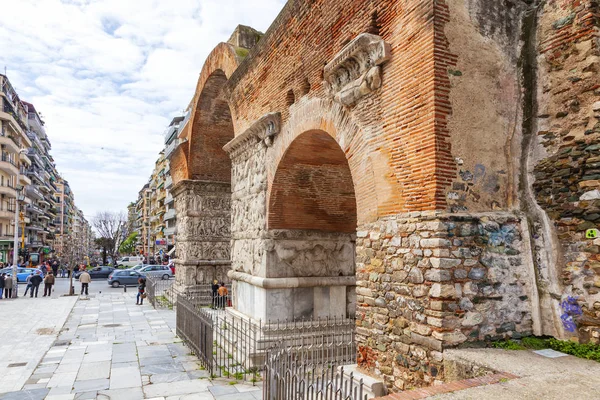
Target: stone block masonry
<point>430,281</point>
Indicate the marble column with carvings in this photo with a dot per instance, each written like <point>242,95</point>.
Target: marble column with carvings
<point>204,232</point>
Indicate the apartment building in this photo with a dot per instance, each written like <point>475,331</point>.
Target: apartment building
<point>153,215</point>
<point>13,146</point>
<point>142,223</point>
<point>171,142</point>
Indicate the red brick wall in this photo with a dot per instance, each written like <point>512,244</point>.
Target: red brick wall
<point>399,119</point>
<point>313,187</point>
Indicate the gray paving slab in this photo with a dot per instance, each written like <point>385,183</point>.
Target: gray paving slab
<point>218,390</point>
<point>34,394</point>
<point>92,384</point>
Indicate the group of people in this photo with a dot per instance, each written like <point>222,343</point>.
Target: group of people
<point>219,295</point>
<point>6,286</point>
<point>35,279</point>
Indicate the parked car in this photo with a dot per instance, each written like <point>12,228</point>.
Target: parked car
<point>22,273</point>
<point>162,271</point>
<point>126,277</point>
<point>130,261</point>
<point>96,273</point>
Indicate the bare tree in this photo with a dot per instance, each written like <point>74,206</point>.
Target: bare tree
<point>110,228</point>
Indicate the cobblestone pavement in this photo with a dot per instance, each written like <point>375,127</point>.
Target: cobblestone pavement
<point>109,348</point>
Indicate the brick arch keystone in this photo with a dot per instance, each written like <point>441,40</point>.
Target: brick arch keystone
<point>365,164</point>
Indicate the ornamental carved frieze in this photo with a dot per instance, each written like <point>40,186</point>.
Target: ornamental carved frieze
<point>261,131</point>
<point>356,70</point>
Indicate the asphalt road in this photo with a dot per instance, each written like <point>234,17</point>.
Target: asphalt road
<point>62,287</point>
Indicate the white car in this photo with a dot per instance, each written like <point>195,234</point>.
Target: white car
<point>130,261</point>
<point>162,271</point>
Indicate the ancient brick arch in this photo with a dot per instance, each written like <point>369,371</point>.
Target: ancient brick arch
<point>331,118</point>
<point>212,128</point>
<point>313,187</point>
<point>208,104</point>
<point>202,178</point>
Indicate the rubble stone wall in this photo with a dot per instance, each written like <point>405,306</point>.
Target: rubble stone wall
<point>427,282</point>
<point>565,155</point>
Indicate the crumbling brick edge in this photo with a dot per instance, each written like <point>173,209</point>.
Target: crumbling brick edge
<point>449,387</point>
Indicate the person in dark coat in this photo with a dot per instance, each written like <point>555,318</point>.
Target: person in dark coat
<point>141,291</point>
<point>215,293</point>
<point>2,285</point>
<point>48,283</point>
<point>54,265</point>
<point>36,280</point>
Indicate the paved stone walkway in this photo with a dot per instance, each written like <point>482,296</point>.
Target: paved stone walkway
<point>110,348</point>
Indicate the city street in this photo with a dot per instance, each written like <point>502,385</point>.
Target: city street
<point>100,347</point>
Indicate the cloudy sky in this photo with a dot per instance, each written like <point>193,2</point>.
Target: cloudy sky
<point>108,76</point>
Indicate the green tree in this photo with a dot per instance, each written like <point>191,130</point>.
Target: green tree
<point>128,245</point>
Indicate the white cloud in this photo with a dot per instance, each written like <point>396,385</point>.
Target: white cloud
<point>108,75</point>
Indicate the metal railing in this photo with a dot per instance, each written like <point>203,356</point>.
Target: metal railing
<point>160,292</point>
<point>231,345</point>
<point>296,375</point>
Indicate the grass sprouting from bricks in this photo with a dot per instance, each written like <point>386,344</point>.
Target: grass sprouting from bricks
<point>588,351</point>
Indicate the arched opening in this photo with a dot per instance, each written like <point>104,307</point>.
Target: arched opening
<point>204,237</point>
<point>211,130</point>
<point>312,219</point>
<point>313,187</point>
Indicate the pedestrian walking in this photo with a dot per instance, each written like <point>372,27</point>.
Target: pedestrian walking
<point>35,280</point>
<point>141,291</point>
<point>48,283</point>
<point>215,293</point>
<point>2,285</point>
<point>85,280</point>
<point>223,293</point>
<point>8,286</point>
<point>54,265</point>
<point>28,287</point>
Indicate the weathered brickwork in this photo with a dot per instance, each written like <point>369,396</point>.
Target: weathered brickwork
<point>567,166</point>
<point>426,282</point>
<point>430,166</point>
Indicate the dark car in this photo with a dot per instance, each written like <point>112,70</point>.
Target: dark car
<point>124,277</point>
<point>96,273</point>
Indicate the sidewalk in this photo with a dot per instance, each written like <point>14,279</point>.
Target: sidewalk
<point>28,330</point>
<point>110,348</point>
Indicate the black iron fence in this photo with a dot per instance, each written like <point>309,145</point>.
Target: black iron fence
<point>160,292</point>
<point>292,374</point>
<point>230,345</point>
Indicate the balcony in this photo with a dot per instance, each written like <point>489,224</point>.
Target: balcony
<point>8,165</point>
<point>169,199</point>
<point>170,133</point>
<point>9,142</point>
<point>35,156</point>
<point>172,146</point>
<point>8,191</point>
<point>33,192</point>
<point>34,173</point>
<point>7,213</point>
<point>168,182</point>
<point>24,180</point>
<point>34,209</point>
<point>171,214</point>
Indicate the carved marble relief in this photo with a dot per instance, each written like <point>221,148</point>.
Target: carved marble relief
<point>356,70</point>
<point>299,253</point>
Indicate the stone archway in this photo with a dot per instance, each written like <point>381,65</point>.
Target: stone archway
<point>323,147</point>
<point>312,225</point>
<point>203,198</point>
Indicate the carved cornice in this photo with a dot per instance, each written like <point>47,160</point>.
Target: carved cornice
<point>263,130</point>
<point>198,186</point>
<point>295,282</point>
<point>355,71</point>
